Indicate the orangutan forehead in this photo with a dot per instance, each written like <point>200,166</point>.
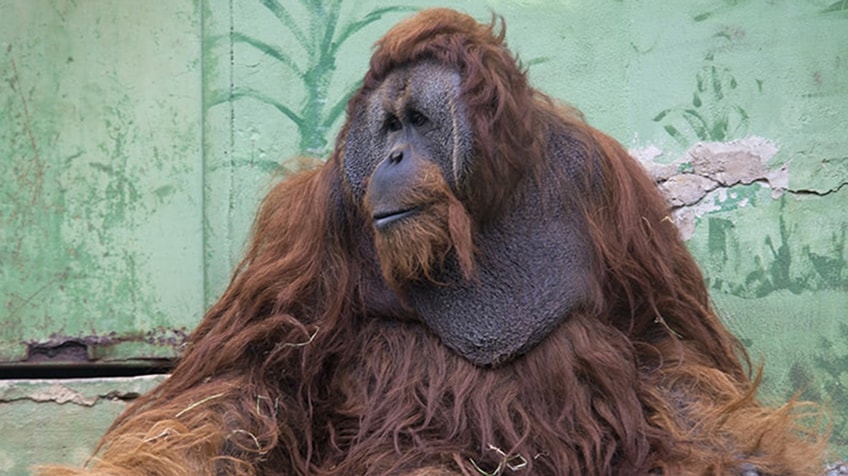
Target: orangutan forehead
<point>426,86</point>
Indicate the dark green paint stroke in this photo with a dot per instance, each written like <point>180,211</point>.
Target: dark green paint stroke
<point>778,269</point>
<point>321,41</point>
<point>713,114</point>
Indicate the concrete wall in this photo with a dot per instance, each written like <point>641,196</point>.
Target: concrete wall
<point>137,137</point>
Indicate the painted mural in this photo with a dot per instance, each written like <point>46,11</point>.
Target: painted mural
<point>319,40</point>
<point>137,143</point>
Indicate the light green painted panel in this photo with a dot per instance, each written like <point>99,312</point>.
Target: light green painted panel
<point>136,139</point>
<point>275,88</point>
<point>59,421</point>
<point>101,236</point>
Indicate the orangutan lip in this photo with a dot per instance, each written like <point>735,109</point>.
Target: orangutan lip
<point>384,219</point>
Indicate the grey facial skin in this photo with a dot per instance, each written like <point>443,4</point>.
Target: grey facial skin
<point>531,261</point>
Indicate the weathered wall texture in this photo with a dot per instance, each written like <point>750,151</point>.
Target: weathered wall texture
<point>101,241</point>
<point>60,420</point>
<point>137,138</point>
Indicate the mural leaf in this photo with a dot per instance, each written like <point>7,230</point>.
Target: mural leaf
<point>242,92</point>
<point>697,123</point>
<point>537,60</point>
<point>715,113</point>
<point>338,108</point>
<point>269,50</point>
<point>840,6</point>
<point>674,133</point>
<point>330,30</point>
<point>661,115</point>
<point>284,16</point>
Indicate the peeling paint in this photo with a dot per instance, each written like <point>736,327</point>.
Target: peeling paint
<point>101,235</point>
<point>700,180</point>
<point>61,394</point>
<point>83,392</point>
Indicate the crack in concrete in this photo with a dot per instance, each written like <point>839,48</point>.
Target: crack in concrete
<point>88,395</point>
<point>55,392</point>
<point>701,179</point>
<point>817,193</point>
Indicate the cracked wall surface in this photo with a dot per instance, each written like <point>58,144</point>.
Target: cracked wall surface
<point>135,144</point>
<point>62,419</point>
<point>772,248</point>
<point>700,180</point>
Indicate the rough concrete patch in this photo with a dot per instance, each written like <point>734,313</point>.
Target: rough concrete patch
<point>686,189</point>
<point>61,394</point>
<point>52,392</point>
<point>740,161</point>
<point>84,392</point>
<point>695,182</point>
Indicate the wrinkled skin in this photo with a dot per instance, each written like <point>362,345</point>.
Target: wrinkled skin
<point>530,261</point>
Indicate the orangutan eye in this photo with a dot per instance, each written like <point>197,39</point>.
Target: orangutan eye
<point>392,123</point>
<point>417,119</point>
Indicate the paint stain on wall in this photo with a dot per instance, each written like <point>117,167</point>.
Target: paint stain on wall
<point>89,181</point>
<point>714,112</point>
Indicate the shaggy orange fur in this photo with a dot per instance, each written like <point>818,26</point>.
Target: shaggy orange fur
<point>305,366</point>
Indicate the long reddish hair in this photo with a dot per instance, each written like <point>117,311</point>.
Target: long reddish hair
<point>309,365</point>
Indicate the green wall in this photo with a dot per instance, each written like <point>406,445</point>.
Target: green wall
<point>136,138</point>
<point>100,153</point>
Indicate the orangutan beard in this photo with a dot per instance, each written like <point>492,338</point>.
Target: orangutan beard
<point>417,247</point>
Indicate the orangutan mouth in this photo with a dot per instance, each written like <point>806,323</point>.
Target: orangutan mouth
<point>385,219</point>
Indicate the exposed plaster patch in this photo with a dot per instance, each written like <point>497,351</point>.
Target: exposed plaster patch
<point>79,392</point>
<point>698,182</point>
<point>741,161</point>
<point>61,394</point>
<point>54,392</point>
<point>686,189</point>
